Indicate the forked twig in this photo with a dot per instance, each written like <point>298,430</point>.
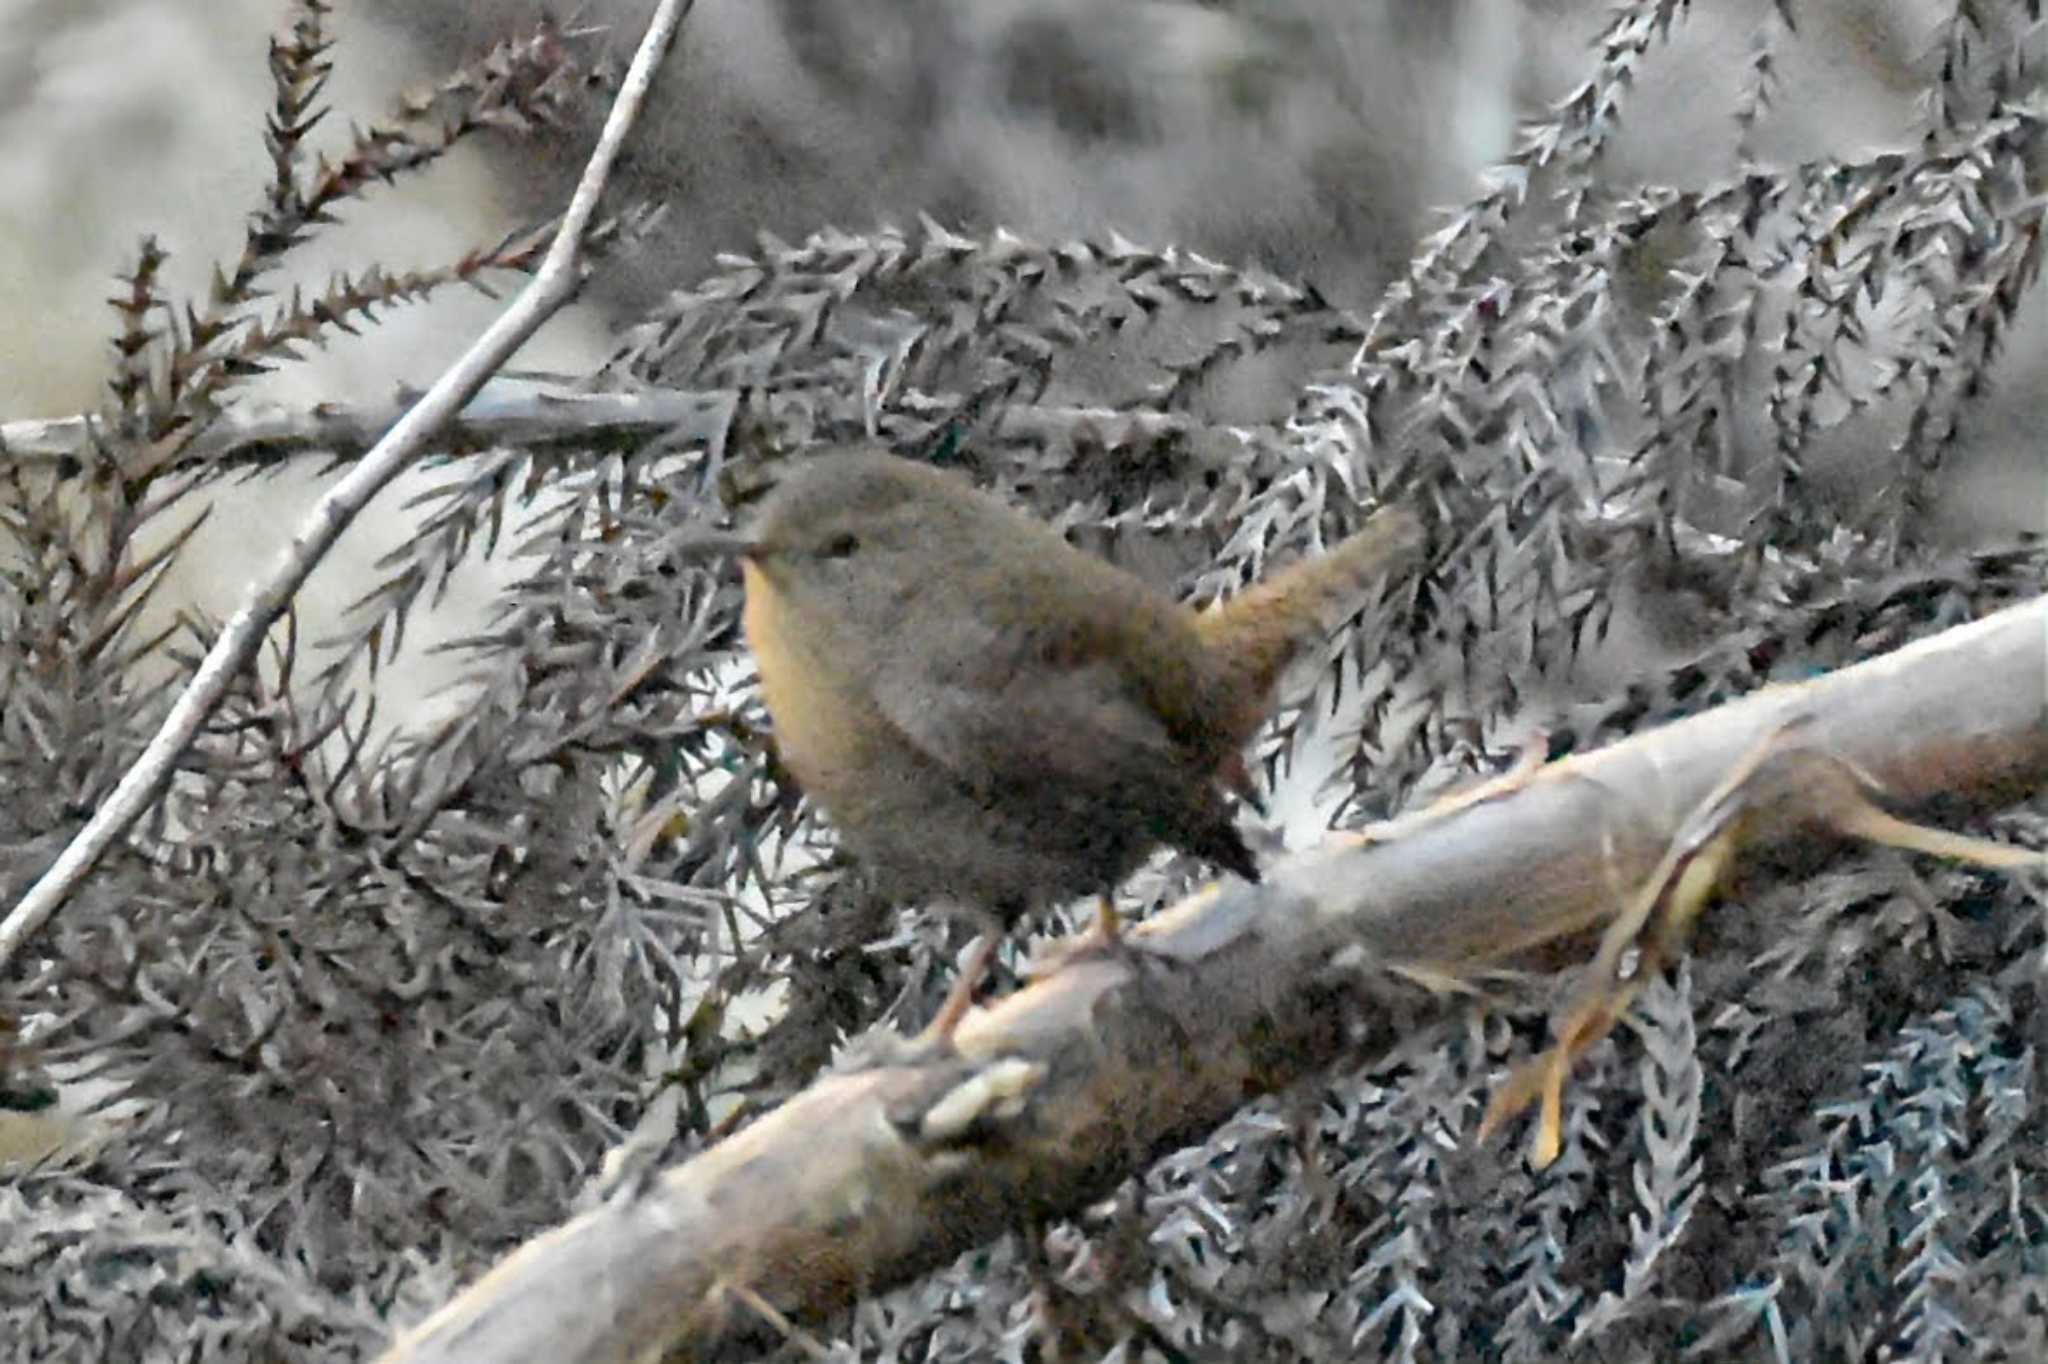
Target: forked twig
<point>1650,933</point>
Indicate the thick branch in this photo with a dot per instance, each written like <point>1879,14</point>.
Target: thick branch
<point>876,1175</point>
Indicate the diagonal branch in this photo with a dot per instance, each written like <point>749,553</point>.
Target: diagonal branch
<point>557,281</point>
<point>897,1163</point>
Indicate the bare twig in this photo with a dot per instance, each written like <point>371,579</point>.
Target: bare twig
<point>531,413</point>
<point>555,283</point>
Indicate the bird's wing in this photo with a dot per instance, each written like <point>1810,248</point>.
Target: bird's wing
<point>993,703</point>
<point>1075,723</point>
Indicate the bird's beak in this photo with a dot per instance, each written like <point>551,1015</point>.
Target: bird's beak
<point>714,544</point>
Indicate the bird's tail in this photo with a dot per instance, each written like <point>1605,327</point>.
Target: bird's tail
<point>1258,632</point>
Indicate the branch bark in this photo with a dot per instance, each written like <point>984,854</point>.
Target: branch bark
<point>896,1163</point>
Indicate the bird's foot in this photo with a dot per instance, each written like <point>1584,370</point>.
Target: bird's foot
<point>1105,938</point>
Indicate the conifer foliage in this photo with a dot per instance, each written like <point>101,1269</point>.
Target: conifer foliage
<point>377,1004</point>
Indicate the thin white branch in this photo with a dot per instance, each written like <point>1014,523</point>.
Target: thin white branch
<point>552,286</point>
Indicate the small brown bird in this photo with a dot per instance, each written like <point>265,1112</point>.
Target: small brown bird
<point>995,719</point>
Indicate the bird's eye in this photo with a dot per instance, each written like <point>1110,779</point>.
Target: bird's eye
<point>841,546</point>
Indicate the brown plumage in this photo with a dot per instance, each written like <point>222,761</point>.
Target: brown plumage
<point>995,719</point>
